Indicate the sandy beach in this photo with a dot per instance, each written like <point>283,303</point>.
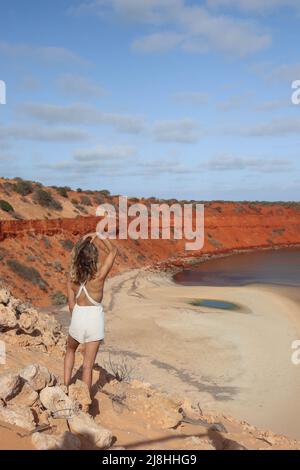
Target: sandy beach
<point>233,362</point>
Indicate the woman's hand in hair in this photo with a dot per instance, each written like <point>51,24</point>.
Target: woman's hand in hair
<point>91,235</point>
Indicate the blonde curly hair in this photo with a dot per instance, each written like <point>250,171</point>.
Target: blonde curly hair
<point>84,263</point>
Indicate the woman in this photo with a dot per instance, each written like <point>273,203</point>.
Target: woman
<point>85,293</point>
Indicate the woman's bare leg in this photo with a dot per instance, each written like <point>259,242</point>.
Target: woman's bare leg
<point>72,345</point>
<point>90,353</point>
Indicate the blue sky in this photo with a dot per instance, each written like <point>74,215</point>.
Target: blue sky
<point>167,98</point>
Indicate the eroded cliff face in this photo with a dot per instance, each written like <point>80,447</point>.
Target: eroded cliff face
<point>35,254</point>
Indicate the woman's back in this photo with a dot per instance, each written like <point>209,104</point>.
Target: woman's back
<point>93,289</point>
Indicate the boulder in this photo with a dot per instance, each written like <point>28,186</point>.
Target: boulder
<point>18,415</point>
<point>83,424</point>
<point>56,401</point>
<point>28,320</point>
<point>37,376</point>
<point>230,444</point>
<point>17,305</point>
<point>27,396</point>
<point>7,317</point>
<point>79,392</point>
<point>65,441</point>
<point>157,408</point>
<point>10,386</point>
<point>4,296</point>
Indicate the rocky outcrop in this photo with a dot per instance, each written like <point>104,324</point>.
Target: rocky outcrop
<point>144,414</point>
<point>22,325</point>
<point>30,400</point>
<point>38,377</point>
<point>57,402</point>
<point>18,415</point>
<point>64,441</point>
<point>79,392</point>
<point>83,424</point>
<point>10,386</point>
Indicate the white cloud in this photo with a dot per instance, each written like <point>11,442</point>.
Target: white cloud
<point>146,11</point>
<point>51,55</point>
<point>102,153</point>
<point>46,134</point>
<point>78,86</point>
<point>277,72</point>
<point>82,114</point>
<point>257,6</point>
<point>181,131</point>
<point>230,163</point>
<point>190,97</point>
<point>277,127</point>
<point>193,28</point>
<point>236,102</point>
<point>273,105</point>
<point>158,42</point>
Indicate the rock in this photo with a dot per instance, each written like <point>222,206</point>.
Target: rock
<point>65,441</point>
<point>28,320</point>
<point>195,442</point>
<point>10,386</point>
<point>44,417</point>
<point>56,401</point>
<point>49,326</point>
<point>17,305</point>
<point>7,317</point>
<point>157,408</point>
<point>17,415</point>
<point>27,396</point>
<point>37,376</point>
<point>79,392</point>
<point>229,444</point>
<point>4,296</point>
<point>83,424</point>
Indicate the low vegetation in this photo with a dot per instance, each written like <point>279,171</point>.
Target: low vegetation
<point>45,199</point>
<point>6,206</point>
<point>24,187</point>
<point>58,298</point>
<point>67,244</point>
<point>27,273</point>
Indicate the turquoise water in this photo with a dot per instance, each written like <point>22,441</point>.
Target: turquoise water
<point>212,303</point>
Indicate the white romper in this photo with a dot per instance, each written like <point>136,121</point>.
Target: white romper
<point>87,323</point>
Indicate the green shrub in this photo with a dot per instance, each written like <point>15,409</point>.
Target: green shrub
<point>58,298</point>
<point>81,209</point>
<point>79,190</point>
<point>105,192</point>
<point>57,266</point>
<point>85,200</point>
<point>74,201</point>
<point>27,273</point>
<point>45,199</point>
<point>6,206</point>
<point>63,191</point>
<point>47,242</point>
<point>23,187</point>
<point>98,199</point>
<point>67,244</point>
<point>8,187</point>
